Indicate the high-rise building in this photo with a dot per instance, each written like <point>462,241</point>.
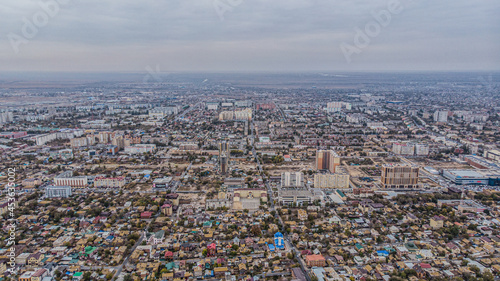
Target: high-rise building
<point>292,179</point>
<point>441,116</point>
<point>6,117</point>
<point>403,148</point>
<point>421,149</point>
<point>337,106</point>
<point>400,176</point>
<point>212,105</point>
<point>118,141</point>
<point>338,180</point>
<point>267,106</point>
<point>240,115</point>
<point>224,157</point>
<point>327,160</point>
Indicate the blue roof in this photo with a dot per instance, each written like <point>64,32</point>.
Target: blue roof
<point>382,253</point>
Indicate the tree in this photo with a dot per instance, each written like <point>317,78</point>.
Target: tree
<point>87,275</point>
<point>488,276</point>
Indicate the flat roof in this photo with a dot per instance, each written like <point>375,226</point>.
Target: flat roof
<point>466,173</point>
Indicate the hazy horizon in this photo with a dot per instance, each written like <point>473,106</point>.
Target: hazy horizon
<point>220,36</point>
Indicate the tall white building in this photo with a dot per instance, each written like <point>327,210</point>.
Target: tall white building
<point>292,179</point>
<point>337,180</point>
<point>337,106</point>
<point>403,148</point>
<point>241,115</point>
<point>6,117</point>
<point>421,149</point>
<point>441,116</point>
<point>160,112</point>
<point>212,105</point>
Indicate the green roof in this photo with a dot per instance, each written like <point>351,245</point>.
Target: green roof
<point>89,250</point>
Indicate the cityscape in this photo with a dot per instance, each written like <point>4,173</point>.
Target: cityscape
<point>339,177</point>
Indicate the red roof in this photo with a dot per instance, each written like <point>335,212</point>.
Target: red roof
<point>146,214</point>
<point>425,265</point>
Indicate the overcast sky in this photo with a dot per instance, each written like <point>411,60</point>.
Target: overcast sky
<point>254,35</point>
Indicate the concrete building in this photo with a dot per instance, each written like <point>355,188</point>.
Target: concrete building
<point>140,148</point>
<point>403,148</point>
<point>327,160</point>
<point>441,116</point>
<point>266,106</point>
<point>104,137</point>
<point>248,198</point>
<point>410,149</point>
<point>118,141</point>
<point>337,180</point>
<point>240,115</point>
<point>224,153</point>
<point>67,179</point>
<point>399,176</point>
<point>58,191</point>
<point>79,142</point>
<point>104,182</point>
<point>315,260</point>
<point>161,112</point>
<point>162,182</point>
<point>289,196</point>
<point>212,105</point>
<point>421,149</point>
<point>243,115</point>
<point>493,155</point>
<point>6,117</point>
<point>243,103</point>
<point>437,222</point>
<point>292,179</point>
<point>234,182</point>
<point>465,177</point>
<point>62,154</point>
<point>13,135</point>
<point>337,106</point>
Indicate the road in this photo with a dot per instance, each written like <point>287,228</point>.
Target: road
<point>181,116</point>
<point>125,261</point>
<point>273,208</point>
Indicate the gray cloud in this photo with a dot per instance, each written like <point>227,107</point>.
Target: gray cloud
<point>277,35</point>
